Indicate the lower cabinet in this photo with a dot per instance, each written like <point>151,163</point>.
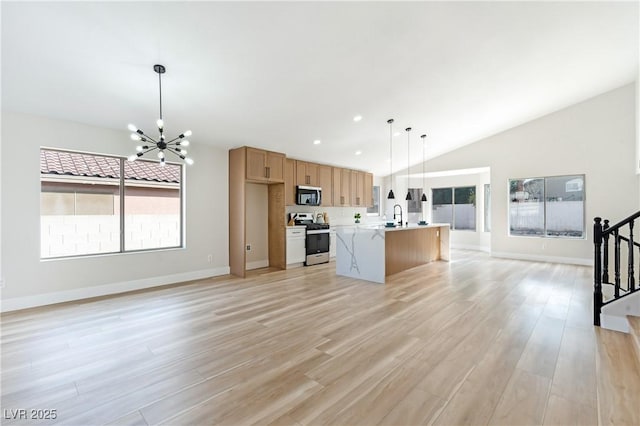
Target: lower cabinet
<point>296,245</point>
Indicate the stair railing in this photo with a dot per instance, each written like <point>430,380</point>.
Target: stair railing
<point>602,233</point>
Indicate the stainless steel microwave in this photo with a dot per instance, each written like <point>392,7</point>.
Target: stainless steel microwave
<point>308,195</point>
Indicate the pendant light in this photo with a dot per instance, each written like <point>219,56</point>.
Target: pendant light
<point>424,194</point>
<point>391,195</point>
<point>424,141</point>
<point>174,146</point>
<point>408,197</point>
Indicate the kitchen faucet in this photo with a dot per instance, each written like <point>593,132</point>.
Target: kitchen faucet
<point>394,212</point>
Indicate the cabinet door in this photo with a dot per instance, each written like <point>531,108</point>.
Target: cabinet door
<point>306,173</point>
<point>256,164</point>
<point>325,181</point>
<point>337,187</point>
<point>312,174</point>
<point>295,246</point>
<point>275,166</point>
<point>346,187</point>
<point>357,189</point>
<point>360,197</point>
<point>301,173</point>
<point>368,190</point>
<point>290,182</point>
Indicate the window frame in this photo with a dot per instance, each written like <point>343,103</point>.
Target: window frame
<point>544,209</point>
<point>379,200</point>
<point>453,206</point>
<point>121,215</point>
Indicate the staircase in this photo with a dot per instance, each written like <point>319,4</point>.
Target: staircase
<point>615,293</point>
<point>616,310</point>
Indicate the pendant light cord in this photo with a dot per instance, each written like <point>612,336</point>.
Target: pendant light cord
<point>160,87</point>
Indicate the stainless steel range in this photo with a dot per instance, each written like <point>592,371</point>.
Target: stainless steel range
<point>317,239</point>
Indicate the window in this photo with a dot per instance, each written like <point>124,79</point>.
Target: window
<point>487,207</point>
<point>82,213</point>
<point>415,204</point>
<point>456,206</point>
<point>375,196</point>
<point>547,207</point>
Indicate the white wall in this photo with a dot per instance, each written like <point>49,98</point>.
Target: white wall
<point>30,281</point>
<point>257,225</point>
<point>596,138</point>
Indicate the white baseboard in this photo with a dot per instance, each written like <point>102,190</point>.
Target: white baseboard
<point>257,264</point>
<point>16,303</point>
<point>485,249</point>
<point>538,258</point>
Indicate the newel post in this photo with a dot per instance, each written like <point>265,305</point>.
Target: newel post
<point>597,270</point>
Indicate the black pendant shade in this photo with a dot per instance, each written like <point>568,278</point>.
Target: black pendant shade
<point>424,197</point>
<point>391,195</point>
<point>408,197</point>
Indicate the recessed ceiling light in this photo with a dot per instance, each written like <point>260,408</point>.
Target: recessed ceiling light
<point>358,152</point>
<point>357,118</point>
<point>317,142</point>
<point>396,134</point>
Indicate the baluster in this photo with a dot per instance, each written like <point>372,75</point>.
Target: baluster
<point>597,270</point>
<point>616,261</point>
<point>605,254</point>
<point>632,279</point>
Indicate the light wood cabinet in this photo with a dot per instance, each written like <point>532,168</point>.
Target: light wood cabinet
<point>325,181</point>
<point>368,190</point>
<point>250,165</point>
<point>357,188</point>
<point>341,187</point>
<point>264,166</point>
<point>290,182</point>
<point>306,173</point>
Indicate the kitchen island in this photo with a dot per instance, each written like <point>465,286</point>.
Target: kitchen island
<point>374,252</point>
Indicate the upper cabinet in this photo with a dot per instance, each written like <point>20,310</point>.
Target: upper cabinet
<point>306,174</point>
<point>325,181</point>
<point>265,166</point>
<point>290,182</point>
<point>368,190</point>
<point>357,188</point>
<point>341,187</point>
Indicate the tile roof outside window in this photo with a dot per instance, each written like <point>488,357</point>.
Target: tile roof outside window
<point>75,164</point>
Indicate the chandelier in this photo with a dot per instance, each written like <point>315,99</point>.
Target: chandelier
<point>148,144</point>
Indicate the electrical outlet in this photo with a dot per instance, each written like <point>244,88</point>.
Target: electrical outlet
<point>248,247</point>
<point>210,258</point>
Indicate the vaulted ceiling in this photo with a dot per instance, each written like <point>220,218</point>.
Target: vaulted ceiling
<point>280,75</point>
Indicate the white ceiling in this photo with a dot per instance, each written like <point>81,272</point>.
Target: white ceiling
<point>279,75</point>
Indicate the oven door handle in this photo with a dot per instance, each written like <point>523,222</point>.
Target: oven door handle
<point>318,231</point>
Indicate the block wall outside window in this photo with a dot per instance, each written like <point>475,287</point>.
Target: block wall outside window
<point>547,207</point>
<point>80,208</point>
<point>455,206</point>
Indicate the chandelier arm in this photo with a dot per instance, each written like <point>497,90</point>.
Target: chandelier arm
<point>175,153</point>
<point>149,150</point>
<point>149,138</point>
<point>174,140</point>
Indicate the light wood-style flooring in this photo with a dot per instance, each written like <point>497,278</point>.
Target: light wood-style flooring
<point>474,341</point>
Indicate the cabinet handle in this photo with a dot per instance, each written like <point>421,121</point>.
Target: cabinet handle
<point>268,172</point>
<point>342,199</point>
<point>358,200</point>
